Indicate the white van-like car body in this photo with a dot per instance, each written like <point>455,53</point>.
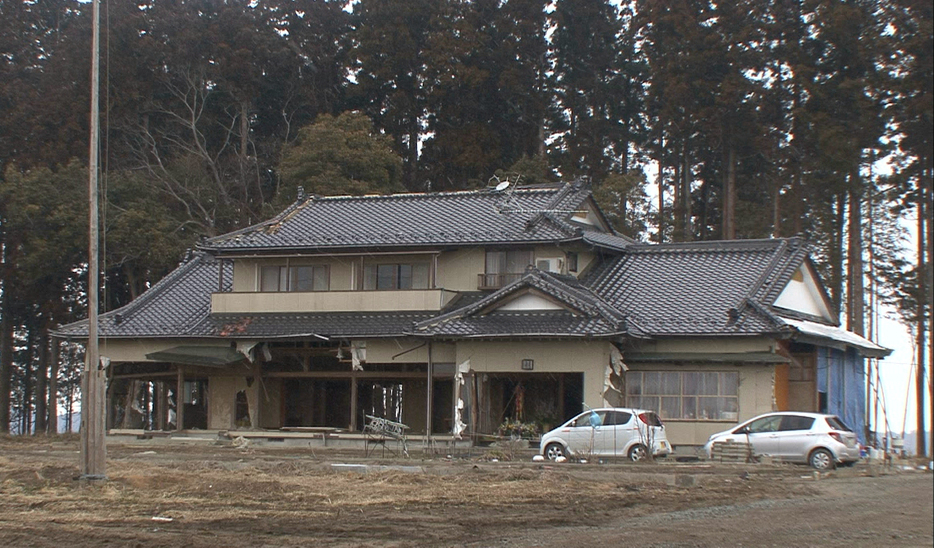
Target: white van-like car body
<point>608,432</point>
<point>822,441</point>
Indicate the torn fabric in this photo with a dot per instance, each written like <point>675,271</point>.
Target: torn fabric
<point>613,378</point>
<point>459,426</point>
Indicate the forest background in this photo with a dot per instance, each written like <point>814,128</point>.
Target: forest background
<point>693,120</point>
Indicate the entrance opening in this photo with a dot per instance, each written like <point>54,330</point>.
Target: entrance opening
<point>544,400</point>
<point>242,411</point>
<point>316,402</point>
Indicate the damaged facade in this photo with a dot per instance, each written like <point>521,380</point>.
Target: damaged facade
<point>455,313</point>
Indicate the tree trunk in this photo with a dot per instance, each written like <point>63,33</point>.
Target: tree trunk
<point>661,189</point>
<point>26,402</point>
<point>729,196</point>
<point>855,310</point>
<point>836,254</point>
<point>687,234</point>
<point>53,386</point>
<point>677,204</point>
<point>6,358</point>
<point>927,198</point>
<point>777,211</point>
<point>920,376</point>
<point>42,380</point>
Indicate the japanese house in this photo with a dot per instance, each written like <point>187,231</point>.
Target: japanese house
<point>455,312</point>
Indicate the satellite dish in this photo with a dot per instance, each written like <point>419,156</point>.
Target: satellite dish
<point>502,186</point>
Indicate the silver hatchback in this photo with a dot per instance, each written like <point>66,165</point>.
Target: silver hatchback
<point>822,441</point>
<point>608,432</point>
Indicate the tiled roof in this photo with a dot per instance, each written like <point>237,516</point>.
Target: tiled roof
<point>174,307</point>
<point>405,220</point>
<point>641,290</point>
<point>529,323</point>
<point>299,325</point>
<point>587,315</point>
<point>698,288</point>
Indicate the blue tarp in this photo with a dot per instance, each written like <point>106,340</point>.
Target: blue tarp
<point>841,377</point>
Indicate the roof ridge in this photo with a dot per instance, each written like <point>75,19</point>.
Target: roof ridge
<point>709,245</point>
<point>440,194</point>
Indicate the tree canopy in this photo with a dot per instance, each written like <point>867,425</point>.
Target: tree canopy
<point>742,119</point>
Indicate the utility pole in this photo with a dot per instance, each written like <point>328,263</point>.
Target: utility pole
<point>93,448</point>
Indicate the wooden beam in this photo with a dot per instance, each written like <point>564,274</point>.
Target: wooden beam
<point>346,374</point>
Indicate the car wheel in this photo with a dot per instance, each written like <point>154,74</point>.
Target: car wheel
<point>637,453</point>
<point>821,459</point>
<point>555,450</point>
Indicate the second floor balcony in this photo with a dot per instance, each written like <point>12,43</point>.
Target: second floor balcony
<point>330,301</point>
<point>496,280</point>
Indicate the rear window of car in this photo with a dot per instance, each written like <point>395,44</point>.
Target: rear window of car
<point>837,424</point>
<point>650,418</point>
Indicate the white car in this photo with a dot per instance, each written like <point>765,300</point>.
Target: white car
<point>822,441</point>
<point>608,432</point>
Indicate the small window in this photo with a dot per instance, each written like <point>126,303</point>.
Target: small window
<point>385,277</point>
<point>273,278</point>
<point>572,261</point>
<point>295,278</point>
<point>309,278</point>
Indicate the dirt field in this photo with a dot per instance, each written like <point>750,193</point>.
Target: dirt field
<point>161,495</point>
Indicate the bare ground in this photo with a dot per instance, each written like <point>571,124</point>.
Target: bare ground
<point>179,495</point>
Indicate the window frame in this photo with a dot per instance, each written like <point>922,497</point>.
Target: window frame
<point>371,273</point>
<point>721,406</point>
<point>286,274</point>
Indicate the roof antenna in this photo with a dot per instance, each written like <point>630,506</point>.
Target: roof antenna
<point>507,188</point>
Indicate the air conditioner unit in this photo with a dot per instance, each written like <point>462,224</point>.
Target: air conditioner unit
<point>555,265</point>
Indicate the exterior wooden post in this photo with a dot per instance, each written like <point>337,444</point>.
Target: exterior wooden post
<point>430,391</point>
<point>258,386</point>
<point>353,401</point>
<point>180,400</point>
<point>53,385</point>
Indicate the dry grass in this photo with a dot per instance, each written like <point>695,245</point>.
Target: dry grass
<point>223,496</point>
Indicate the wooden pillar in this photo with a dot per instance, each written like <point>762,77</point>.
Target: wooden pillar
<point>180,399</point>
<point>109,413</point>
<point>53,385</point>
<point>475,406</point>
<point>161,405</point>
<point>564,411</point>
<point>430,391</point>
<point>258,387</point>
<point>353,401</point>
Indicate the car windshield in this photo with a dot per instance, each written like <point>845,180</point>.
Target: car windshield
<point>837,424</point>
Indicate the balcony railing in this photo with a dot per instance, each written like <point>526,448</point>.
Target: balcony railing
<point>331,301</point>
<point>496,281</point>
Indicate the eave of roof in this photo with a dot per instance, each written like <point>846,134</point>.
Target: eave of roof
<point>835,337</point>
<point>705,357</point>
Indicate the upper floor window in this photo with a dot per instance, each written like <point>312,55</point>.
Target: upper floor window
<point>503,267</point>
<point>390,276</point>
<point>295,278</point>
